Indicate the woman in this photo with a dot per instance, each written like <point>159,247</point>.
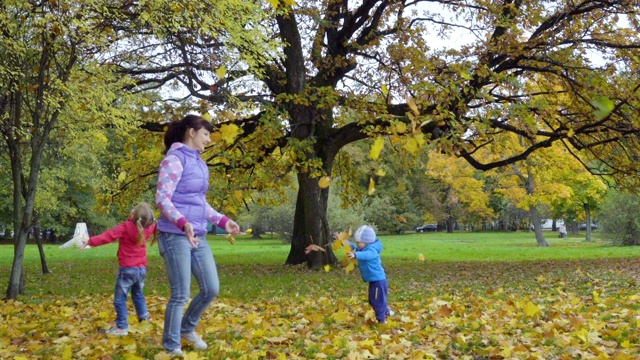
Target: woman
<point>183,181</point>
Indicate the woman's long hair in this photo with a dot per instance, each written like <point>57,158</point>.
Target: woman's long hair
<point>177,129</point>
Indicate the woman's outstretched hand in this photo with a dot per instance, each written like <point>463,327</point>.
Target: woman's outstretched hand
<point>232,228</point>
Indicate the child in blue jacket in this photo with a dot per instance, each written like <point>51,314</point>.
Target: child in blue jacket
<point>367,251</point>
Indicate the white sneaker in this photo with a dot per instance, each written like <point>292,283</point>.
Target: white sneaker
<point>117,331</point>
<point>197,341</point>
<point>175,352</point>
<point>390,312</point>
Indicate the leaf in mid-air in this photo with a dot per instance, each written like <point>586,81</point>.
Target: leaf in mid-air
<point>400,219</point>
<point>376,148</point>
<point>412,105</point>
<point>313,247</point>
<point>221,72</point>
<point>604,106</point>
<point>324,182</point>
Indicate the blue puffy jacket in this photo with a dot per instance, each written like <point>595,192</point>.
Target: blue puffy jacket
<point>369,261</point>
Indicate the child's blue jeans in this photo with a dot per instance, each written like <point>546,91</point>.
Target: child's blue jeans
<point>378,292</point>
<point>130,279</point>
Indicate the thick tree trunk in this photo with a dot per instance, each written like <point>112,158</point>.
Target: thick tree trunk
<point>537,226</point>
<point>15,279</point>
<point>534,216</point>
<point>310,225</point>
<point>450,222</point>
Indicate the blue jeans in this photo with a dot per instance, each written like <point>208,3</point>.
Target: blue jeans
<point>181,261</point>
<point>130,279</point>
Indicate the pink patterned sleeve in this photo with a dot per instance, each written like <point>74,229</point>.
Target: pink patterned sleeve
<point>215,217</point>
<point>169,175</point>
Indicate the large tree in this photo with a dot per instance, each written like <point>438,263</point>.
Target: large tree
<point>344,71</point>
<point>51,82</point>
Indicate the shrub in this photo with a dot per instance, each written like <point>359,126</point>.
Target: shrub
<point>619,219</point>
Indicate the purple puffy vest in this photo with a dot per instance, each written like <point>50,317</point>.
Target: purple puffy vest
<point>190,194</point>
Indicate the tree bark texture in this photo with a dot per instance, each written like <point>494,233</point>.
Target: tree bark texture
<point>310,225</point>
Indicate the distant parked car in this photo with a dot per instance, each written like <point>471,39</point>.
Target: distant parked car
<point>427,227</point>
<point>583,226</point>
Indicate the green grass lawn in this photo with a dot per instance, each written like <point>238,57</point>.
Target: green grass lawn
<point>251,268</point>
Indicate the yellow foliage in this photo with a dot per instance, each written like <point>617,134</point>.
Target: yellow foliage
<point>229,132</point>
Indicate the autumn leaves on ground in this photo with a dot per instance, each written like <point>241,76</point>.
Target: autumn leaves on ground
<point>510,310</point>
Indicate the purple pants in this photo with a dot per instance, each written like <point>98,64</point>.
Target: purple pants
<point>378,292</point>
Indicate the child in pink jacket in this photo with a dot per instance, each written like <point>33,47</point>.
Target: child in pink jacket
<point>132,236</point>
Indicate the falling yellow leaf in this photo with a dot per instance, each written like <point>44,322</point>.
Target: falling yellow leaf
<point>249,231</point>
<point>274,3</point>
<point>324,182</point>
<point>420,257</point>
<point>122,176</point>
<point>372,186</point>
<point>221,72</point>
<point>412,105</point>
<point>381,172</point>
<point>231,239</point>
<point>327,268</point>
<point>385,89</point>
<point>376,148</point>
<point>400,218</point>
<point>313,247</point>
